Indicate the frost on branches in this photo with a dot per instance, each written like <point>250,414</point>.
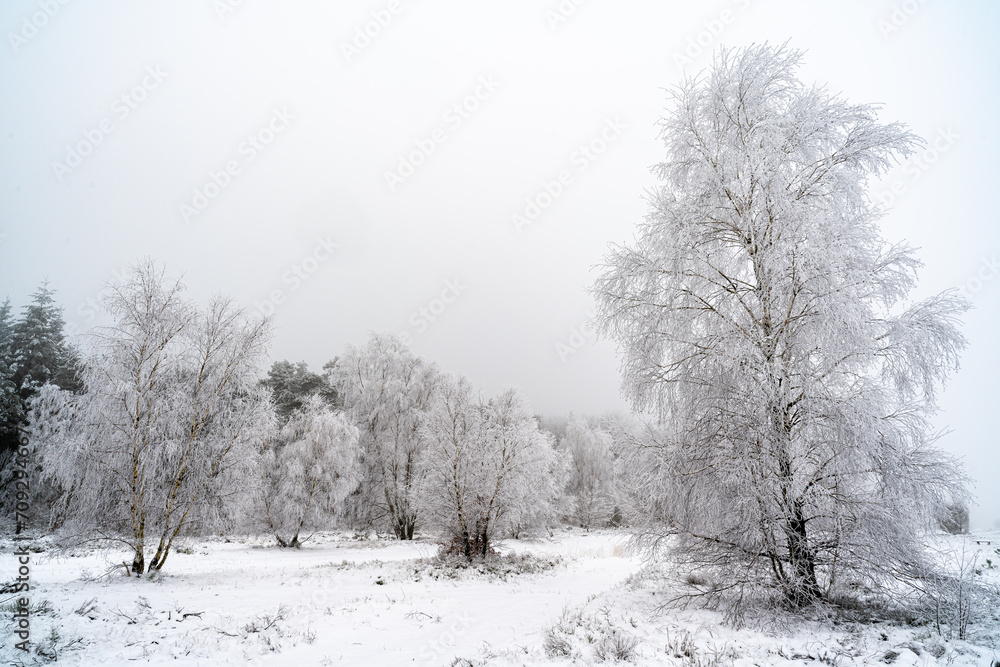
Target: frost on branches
<point>592,478</point>
<point>490,470</point>
<point>762,317</point>
<point>386,391</point>
<point>166,434</point>
<point>309,469</point>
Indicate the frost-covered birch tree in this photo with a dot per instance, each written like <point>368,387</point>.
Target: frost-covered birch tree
<point>592,472</point>
<point>764,321</point>
<point>168,429</point>
<point>489,467</point>
<point>387,389</point>
<point>309,469</point>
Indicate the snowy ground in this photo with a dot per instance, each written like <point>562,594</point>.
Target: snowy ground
<point>341,601</point>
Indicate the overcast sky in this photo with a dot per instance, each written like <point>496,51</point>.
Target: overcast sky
<point>358,166</point>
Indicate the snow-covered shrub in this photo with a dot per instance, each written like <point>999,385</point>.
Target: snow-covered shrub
<point>581,631</point>
<point>489,467</point>
<point>309,468</point>
<point>953,596</point>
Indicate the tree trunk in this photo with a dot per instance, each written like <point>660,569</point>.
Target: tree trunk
<point>138,561</point>
<point>160,559</point>
<point>403,528</point>
<point>159,556</point>
<point>466,546</point>
<point>803,589</point>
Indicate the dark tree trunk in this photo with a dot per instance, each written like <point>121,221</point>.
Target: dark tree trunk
<point>138,562</point>
<point>803,589</point>
<point>466,546</point>
<point>403,528</point>
<point>293,543</point>
<point>160,560</point>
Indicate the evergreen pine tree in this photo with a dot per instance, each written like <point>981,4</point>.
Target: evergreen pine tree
<point>292,385</point>
<point>6,332</point>
<point>40,352</point>
<point>11,407</point>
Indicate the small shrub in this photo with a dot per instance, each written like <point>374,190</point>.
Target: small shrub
<point>447,565</point>
<point>556,642</point>
<point>456,548</point>
<point>616,645</point>
<point>609,641</point>
<point>86,608</point>
<point>265,622</point>
<point>46,649</point>
<point>680,645</point>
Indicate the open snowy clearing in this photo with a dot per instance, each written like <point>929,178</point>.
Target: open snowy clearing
<point>342,601</point>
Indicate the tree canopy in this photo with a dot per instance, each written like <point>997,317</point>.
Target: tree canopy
<point>764,322</point>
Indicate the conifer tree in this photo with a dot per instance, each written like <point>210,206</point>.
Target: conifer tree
<point>39,350</point>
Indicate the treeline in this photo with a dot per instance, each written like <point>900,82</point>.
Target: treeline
<point>167,425</point>
<point>33,352</point>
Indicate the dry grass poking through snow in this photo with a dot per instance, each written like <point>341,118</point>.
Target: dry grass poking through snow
<point>577,599</point>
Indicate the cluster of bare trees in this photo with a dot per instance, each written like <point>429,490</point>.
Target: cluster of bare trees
<point>437,454</point>
<point>174,432</point>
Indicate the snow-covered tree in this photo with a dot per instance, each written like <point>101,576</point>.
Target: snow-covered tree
<point>168,429</point>
<point>6,330</point>
<point>291,386</point>
<point>309,469</point>
<point>39,351</point>
<point>453,430</point>
<point>12,414</point>
<point>543,501</point>
<point>489,467</point>
<point>33,351</point>
<point>763,319</point>
<point>592,473</point>
<point>51,427</point>
<point>386,390</point>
